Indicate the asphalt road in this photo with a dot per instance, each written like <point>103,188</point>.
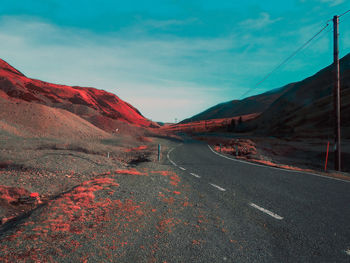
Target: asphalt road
<point>277,215</point>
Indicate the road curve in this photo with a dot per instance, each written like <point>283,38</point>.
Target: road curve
<point>282,216</point>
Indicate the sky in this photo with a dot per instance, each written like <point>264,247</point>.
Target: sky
<point>171,59</point>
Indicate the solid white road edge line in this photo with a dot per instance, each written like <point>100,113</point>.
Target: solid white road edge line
<point>218,187</point>
<point>183,169</point>
<point>195,175</point>
<point>266,211</point>
<point>169,157</point>
<point>276,168</point>
<point>168,154</point>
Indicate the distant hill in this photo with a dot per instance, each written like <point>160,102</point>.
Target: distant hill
<point>250,105</point>
<point>307,108</point>
<point>103,109</point>
<point>303,108</point>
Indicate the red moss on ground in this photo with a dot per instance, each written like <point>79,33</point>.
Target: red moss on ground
<point>101,219</point>
<point>81,212</point>
<point>130,171</point>
<point>167,224</point>
<point>196,242</point>
<point>12,194</point>
<point>238,147</point>
<point>140,148</point>
<point>34,195</point>
<point>174,178</point>
<point>164,173</point>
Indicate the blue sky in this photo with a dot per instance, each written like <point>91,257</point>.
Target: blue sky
<point>169,58</point>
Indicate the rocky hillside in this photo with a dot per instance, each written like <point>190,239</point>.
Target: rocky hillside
<point>99,107</point>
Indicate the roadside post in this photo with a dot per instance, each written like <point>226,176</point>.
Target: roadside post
<point>325,166</point>
<point>159,147</point>
<point>108,155</point>
<point>236,148</point>
<point>220,148</point>
<point>336,95</point>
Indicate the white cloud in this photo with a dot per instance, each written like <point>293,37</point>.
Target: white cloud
<point>139,71</point>
<point>165,77</point>
<point>164,24</point>
<point>262,21</point>
<point>333,2</point>
<point>330,2</point>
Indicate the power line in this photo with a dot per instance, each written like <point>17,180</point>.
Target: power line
<point>321,36</point>
<point>344,13</point>
<point>286,60</point>
<point>329,20</point>
<point>342,19</point>
<point>325,34</point>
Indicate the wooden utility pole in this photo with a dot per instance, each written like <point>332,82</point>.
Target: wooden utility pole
<point>336,96</point>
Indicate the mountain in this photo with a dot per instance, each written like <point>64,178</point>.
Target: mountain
<point>103,109</point>
<point>303,108</point>
<point>253,104</point>
<point>307,108</point>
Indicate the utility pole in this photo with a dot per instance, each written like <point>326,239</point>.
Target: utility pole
<point>336,96</point>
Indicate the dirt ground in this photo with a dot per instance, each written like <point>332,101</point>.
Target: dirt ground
<point>52,166</point>
<point>110,200</point>
<point>66,201</point>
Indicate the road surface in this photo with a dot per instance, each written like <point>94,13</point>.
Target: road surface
<point>277,215</point>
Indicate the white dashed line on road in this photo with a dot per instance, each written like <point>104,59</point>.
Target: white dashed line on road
<point>173,163</point>
<point>218,187</point>
<point>266,211</point>
<point>195,175</point>
<point>183,169</point>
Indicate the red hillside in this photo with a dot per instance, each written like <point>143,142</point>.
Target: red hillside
<point>88,103</point>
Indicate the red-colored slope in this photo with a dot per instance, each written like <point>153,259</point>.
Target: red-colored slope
<point>85,102</point>
<point>28,119</point>
<point>208,125</point>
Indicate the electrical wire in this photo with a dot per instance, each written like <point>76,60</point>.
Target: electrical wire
<point>344,13</point>
<point>325,33</point>
<point>342,20</point>
<point>284,61</point>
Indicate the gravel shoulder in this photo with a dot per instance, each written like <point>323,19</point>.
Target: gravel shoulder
<point>91,208</point>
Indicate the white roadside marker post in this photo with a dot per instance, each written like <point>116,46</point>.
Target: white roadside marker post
<point>159,147</point>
